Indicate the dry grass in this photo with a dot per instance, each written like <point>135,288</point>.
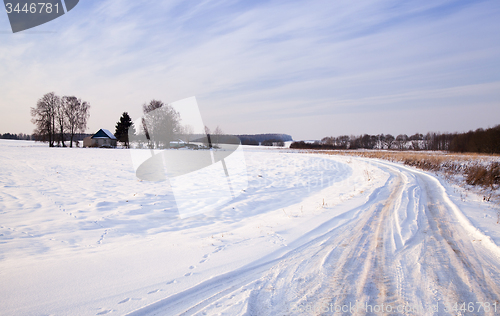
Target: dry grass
<point>485,176</point>
<point>477,170</point>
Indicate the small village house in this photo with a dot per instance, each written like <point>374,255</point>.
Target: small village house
<point>103,138</point>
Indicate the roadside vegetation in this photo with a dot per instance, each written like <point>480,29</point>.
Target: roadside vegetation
<point>474,170</point>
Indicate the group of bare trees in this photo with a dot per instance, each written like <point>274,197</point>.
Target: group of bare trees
<point>187,133</point>
<point>161,125</point>
<point>58,118</point>
<point>215,136</point>
<point>400,142</point>
<point>480,140</point>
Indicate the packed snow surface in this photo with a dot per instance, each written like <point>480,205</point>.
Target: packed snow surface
<point>311,235</point>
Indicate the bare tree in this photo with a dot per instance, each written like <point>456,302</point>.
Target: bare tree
<point>55,116</point>
<point>77,114</point>
<point>388,140</point>
<point>61,120</point>
<point>328,140</point>
<point>401,141</point>
<point>146,134</point>
<point>208,142</point>
<point>43,130</point>
<point>187,132</point>
<point>161,122</point>
<point>217,133</point>
<point>44,117</point>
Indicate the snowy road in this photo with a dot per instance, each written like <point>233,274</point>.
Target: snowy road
<point>408,250</point>
<point>312,235</point>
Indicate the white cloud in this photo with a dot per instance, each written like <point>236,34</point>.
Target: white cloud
<point>260,67</point>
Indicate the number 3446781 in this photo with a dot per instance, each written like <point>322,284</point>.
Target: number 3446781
<point>39,7</point>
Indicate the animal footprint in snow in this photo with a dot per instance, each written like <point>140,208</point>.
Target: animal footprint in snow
<point>173,281</point>
<point>219,249</point>
<point>154,291</point>
<point>128,299</point>
<point>192,267</point>
<point>104,312</point>
<point>205,258</point>
<point>188,274</point>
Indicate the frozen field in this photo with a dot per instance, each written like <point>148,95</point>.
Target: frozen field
<point>81,235</point>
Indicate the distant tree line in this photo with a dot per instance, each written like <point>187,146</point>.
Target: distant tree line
<point>58,119</point>
<point>315,145</point>
<point>478,141</point>
<point>273,142</point>
<point>20,136</point>
<point>264,139</point>
<point>254,140</point>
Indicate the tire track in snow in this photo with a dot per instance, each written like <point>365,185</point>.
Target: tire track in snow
<point>364,271</point>
<point>452,268</point>
<point>467,271</point>
<point>244,283</point>
<point>405,246</point>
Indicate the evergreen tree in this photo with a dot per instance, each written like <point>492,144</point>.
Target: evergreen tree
<point>122,129</point>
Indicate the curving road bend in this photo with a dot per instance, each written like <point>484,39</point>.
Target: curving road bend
<point>407,251</point>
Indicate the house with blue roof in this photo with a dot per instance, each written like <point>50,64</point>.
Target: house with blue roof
<point>103,138</point>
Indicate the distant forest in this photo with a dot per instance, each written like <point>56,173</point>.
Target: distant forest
<point>20,136</point>
<point>255,140</point>
<point>265,139</point>
<point>478,141</point>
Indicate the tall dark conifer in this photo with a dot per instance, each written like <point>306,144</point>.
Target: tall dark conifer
<point>122,129</point>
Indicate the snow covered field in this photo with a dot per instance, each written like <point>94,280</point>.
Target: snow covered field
<point>312,234</point>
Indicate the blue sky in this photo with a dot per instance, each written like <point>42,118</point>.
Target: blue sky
<point>306,68</point>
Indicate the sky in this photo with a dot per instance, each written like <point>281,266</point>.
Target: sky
<point>306,68</point>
